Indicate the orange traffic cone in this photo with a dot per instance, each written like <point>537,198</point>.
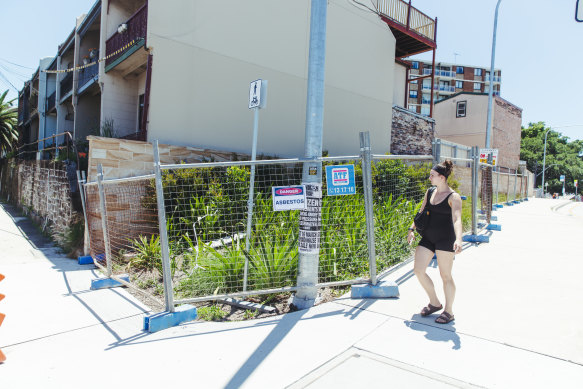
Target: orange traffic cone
<point>2,316</point>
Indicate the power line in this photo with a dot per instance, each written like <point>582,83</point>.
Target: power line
<point>15,64</point>
<point>7,80</point>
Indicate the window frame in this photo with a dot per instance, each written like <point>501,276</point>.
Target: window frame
<point>478,72</point>
<point>459,82</point>
<point>479,86</point>
<point>459,70</point>
<point>458,106</point>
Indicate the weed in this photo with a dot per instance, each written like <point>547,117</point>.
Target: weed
<point>211,313</point>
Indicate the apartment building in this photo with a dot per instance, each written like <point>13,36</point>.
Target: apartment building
<point>448,79</point>
<point>179,72</point>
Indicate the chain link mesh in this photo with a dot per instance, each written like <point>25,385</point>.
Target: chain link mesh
<point>398,190</point>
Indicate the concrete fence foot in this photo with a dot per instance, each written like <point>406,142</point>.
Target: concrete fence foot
<point>383,289</point>
<point>163,320</point>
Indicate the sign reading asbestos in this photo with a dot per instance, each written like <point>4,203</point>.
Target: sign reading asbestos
<point>287,198</point>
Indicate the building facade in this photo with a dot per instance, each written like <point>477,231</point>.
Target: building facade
<point>462,118</point>
<point>449,79</point>
<point>179,73</point>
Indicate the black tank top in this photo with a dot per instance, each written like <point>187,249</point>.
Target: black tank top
<point>440,221</point>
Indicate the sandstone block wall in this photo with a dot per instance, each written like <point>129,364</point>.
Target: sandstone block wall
<point>412,134</point>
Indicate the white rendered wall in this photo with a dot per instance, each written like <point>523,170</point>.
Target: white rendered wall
<point>399,89</point>
<point>206,57</point>
<point>469,130</point>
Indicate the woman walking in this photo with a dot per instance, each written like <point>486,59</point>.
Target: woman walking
<point>442,236</point>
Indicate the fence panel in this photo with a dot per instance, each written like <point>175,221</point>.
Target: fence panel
<point>132,231</point>
<point>398,190</point>
<point>206,213</point>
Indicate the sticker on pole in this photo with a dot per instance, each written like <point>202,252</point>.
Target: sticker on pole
<point>485,153</point>
<point>340,180</point>
<point>311,220</point>
<point>287,198</point>
<point>255,94</point>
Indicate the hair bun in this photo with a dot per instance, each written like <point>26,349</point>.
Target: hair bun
<point>448,166</point>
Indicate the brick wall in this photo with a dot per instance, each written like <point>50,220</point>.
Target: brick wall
<point>412,134</point>
<point>506,129</point>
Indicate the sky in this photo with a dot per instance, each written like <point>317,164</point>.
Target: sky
<point>539,48</point>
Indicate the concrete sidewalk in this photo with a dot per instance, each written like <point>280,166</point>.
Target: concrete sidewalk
<point>518,323</point>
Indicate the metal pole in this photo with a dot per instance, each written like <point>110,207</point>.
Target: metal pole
<point>515,179</point>
<point>166,273</point>
<point>80,182</point>
<point>312,171</point>
<point>545,161</point>
<point>475,157</point>
<point>104,219</point>
<point>365,153</point>
<point>491,89</point>
<point>497,183</point>
<point>250,200</point>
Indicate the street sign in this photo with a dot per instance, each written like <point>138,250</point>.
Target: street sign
<point>340,180</point>
<point>562,178</point>
<point>257,94</point>
<point>576,183</point>
<point>579,11</point>
<point>485,153</point>
<point>287,198</point>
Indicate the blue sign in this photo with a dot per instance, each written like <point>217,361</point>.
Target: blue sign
<point>340,180</point>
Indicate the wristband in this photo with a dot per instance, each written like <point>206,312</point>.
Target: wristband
<point>411,229</point>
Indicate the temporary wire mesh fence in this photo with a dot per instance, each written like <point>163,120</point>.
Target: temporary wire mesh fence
<point>211,250</point>
<point>399,186</point>
<point>131,228</point>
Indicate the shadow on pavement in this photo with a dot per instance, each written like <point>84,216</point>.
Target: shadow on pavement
<point>443,333</point>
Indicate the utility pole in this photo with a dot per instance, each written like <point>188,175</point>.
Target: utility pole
<point>491,89</point>
<point>309,235</point>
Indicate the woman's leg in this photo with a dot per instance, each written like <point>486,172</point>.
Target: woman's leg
<point>445,263</point>
<point>422,258</point>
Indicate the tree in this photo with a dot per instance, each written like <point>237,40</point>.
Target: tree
<point>8,120</point>
<point>563,157</point>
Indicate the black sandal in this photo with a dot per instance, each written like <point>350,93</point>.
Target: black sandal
<point>444,318</point>
<point>429,309</point>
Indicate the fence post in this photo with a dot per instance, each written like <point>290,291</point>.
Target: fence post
<point>515,179</point>
<point>497,182</point>
<point>475,156</point>
<point>104,219</point>
<point>437,151</point>
<point>80,182</point>
<point>366,160</point>
<point>166,273</point>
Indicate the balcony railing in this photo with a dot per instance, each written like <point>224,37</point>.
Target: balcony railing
<point>408,16</point>
<point>66,84</point>
<point>51,101</point>
<point>444,88</point>
<point>137,26</point>
<point>494,79</point>
<point>87,74</point>
<point>439,73</point>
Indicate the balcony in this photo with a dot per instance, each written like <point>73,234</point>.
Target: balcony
<point>66,84</point>
<point>133,30</point>
<point>413,30</point>
<point>86,76</point>
<point>440,73</point>
<point>51,102</point>
<point>494,79</point>
<point>442,88</point>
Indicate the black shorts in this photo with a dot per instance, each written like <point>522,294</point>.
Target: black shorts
<point>442,245</point>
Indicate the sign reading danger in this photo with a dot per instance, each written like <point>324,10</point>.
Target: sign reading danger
<point>286,198</point>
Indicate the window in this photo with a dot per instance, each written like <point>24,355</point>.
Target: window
<point>414,65</point>
<point>477,86</point>
<point>459,84</point>
<point>459,69</point>
<point>413,94</point>
<point>425,111</point>
<point>477,72</point>
<point>460,109</point>
<point>486,88</point>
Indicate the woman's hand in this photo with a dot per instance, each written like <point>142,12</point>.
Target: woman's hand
<point>457,246</point>
<point>410,237</point>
